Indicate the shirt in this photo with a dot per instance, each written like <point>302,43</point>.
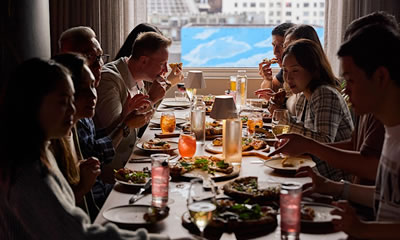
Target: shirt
<point>387,191</point>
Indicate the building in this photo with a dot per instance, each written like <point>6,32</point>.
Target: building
<point>277,11</point>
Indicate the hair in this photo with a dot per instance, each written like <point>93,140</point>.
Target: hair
<point>311,57</point>
<point>282,28</point>
<point>148,43</point>
<point>33,80</point>
<point>374,46</point>
<point>126,49</point>
<point>304,31</point>
<point>380,17</point>
<point>76,37</point>
<point>60,147</point>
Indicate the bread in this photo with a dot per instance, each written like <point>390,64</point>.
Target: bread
<point>270,61</point>
<point>173,65</point>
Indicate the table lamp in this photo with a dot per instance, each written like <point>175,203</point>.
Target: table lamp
<point>224,109</point>
<point>193,81</point>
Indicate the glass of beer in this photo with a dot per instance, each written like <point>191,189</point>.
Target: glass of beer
<point>187,144</point>
<point>254,120</point>
<point>233,83</point>
<point>167,122</point>
<point>280,122</point>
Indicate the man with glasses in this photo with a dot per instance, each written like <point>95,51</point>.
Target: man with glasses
<point>100,143</point>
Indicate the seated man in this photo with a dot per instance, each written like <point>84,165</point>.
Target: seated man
<point>124,77</point>
<point>99,142</point>
<point>373,84</point>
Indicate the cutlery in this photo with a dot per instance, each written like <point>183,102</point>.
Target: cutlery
<point>148,159</point>
<point>140,194</point>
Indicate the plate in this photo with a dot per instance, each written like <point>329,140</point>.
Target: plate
<point>174,146</point>
<point>178,121</point>
<point>131,184</point>
<point>176,104</point>
<point>132,215</point>
<point>218,149</point>
<point>322,222</point>
<point>276,163</point>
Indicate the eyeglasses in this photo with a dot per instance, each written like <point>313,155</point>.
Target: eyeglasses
<point>96,58</point>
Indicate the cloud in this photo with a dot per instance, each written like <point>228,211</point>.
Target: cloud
<point>265,43</point>
<point>205,34</point>
<point>251,61</point>
<point>220,48</point>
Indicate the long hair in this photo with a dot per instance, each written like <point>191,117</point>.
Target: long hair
<point>61,148</point>
<point>311,57</point>
<point>303,31</point>
<point>22,137</point>
<point>126,49</point>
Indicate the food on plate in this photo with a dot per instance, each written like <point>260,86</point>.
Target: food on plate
<point>217,142</point>
<point>214,124</point>
<point>210,164</point>
<point>264,133</point>
<point>209,100</point>
<point>156,143</point>
<point>270,61</point>
<point>307,213</point>
<point>248,188</point>
<point>279,97</point>
<point>250,144</point>
<point>130,176</point>
<point>291,162</point>
<point>212,129</point>
<point>173,65</point>
<point>244,118</point>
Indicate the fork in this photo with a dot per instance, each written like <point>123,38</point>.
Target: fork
<point>140,194</point>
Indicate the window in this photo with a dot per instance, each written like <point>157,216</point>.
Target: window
<point>322,4</point>
<point>305,14</point>
<point>315,13</point>
<point>321,13</point>
<point>228,36</point>
<point>306,5</point>
<point>315,5</point>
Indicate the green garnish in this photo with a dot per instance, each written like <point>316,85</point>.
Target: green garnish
<point>222,164</point>
<point>160,143</point>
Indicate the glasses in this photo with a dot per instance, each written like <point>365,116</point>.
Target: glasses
<point>96,58</point>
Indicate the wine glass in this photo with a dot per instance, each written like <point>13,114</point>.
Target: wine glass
<point>201,204</point>
<point>280,122</point>
<point>187,144</point>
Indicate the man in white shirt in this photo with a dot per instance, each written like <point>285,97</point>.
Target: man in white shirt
<point>122,79</point>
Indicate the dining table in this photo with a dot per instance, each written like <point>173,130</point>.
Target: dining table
<point>178,191</point>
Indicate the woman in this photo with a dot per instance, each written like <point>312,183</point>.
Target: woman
<point>321,113</point>
<point>35,199</point>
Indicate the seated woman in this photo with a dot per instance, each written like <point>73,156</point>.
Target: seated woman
<point>36,201</point>
<point>321,113</point>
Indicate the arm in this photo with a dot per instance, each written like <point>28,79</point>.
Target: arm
<point>349,161</point>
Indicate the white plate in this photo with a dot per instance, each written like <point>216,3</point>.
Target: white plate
<point>276,163</point>
<point>129,214</point>
<point>176,104</point>
<point>178,121</point>
<point>174,146</point>
<point>132,184</point>
<point>218,149</point>
<point>322,212</point>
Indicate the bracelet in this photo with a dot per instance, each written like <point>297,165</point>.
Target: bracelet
<point>345,190</point>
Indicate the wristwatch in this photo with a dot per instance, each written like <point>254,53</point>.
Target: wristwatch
<point>125,130</point>
<point>345,190</point>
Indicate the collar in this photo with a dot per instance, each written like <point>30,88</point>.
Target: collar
<point>132,84</point>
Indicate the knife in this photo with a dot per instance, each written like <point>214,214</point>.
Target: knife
<point>140,194</point>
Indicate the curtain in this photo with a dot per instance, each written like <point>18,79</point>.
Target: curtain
<point>339,14</point>
<point>112,20</point>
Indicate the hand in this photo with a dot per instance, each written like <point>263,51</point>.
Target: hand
<point>265,71</point>
<point>350,223</point>
<point>157,90</point>
<point>138,119</point>
<point>292,144</point>
<point>138,102</point>
<point>265,93</point>
<point>89,169</point>
<point>175,76</point>
<point>319,183</point>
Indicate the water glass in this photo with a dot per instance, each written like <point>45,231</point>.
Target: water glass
<point>232,141</point>
<point>167,122</point>
<point>180,96</point>
<point>159,179</point>
<point>290,206</point>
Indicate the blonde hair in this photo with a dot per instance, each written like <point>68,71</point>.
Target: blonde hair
<point>148,43</point>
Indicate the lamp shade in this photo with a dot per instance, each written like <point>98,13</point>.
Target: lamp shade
<point>195,79</point>
<point>224,108</point>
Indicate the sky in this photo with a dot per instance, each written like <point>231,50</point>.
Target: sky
<point>227,46</point>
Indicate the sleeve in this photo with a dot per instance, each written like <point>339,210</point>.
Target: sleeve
<point>109,105</point>
<point>374,137</point>
<point>44,216</point>
<point>326,112</point>
<point>103,145</point>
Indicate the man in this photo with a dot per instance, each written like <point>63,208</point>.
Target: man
<point>126,77</point>
<point>264,69</point>
<point>360,155</point>
<point>100,142</point>
<point>373,85</point>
